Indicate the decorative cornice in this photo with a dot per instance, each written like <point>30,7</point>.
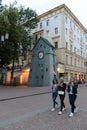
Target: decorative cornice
<point>68,11</point>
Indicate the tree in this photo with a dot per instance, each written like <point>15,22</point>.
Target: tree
<point>20,22</point>
<point>29,19</point>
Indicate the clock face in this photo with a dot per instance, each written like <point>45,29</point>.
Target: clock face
<point>41,54</point>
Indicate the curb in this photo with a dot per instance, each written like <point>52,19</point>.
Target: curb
<point>35,94</point>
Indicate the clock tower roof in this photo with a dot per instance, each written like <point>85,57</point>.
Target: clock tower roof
<point>45,41</point>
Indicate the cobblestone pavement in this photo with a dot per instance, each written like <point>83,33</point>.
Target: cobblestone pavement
<point>51,121</point>
<point>34,113</point>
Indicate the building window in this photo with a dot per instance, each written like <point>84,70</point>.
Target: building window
<point>41,45</point>
<point>47,22</point>
<point>78,63</point>
<point>31,70</point>
<point>71,34</point>
<point>70,60</point>
<point>74,37</point>
<point>71,24</point>
<point>56,17</point>
<point>75,61</point>
<point>78,50</point>
<point>66,59</point>
<point>71,74</point>
<point>56,30</point>
<point>75,49</point>
<point>40,35</point>
<point>81,52</point>
<point>85,38</point>
<point>78,40</point>
<point>70,47</point>
<point>56,44</point>
<point>40,25</point>
<point>42,76</point>
<point>46,69</point>
<point>77,30</point>
<point>74,27</point>
<point>81,64</point>
<point>48,33</point>
<point>66,31</point>
<point>66,19</point>
<point>86,47</point>
<point>66,45</point>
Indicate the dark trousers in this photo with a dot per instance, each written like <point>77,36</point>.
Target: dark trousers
<point>62,105</point>
<point>54,96</point>
<point>72,99</point>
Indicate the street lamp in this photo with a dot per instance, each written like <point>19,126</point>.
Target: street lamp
<point>4,37</point>
<point>2,67</point>
<point>85,63</point>
<point>58,69</point>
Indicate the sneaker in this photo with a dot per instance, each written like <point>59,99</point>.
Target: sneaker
<point>76,109</point>
<point>52,109</point>
<point>71,114</point>
<point>59,112</point>
<point>63,109</point>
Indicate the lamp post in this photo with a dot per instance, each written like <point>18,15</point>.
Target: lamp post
<point>85,63</point>
<point>3,38</point>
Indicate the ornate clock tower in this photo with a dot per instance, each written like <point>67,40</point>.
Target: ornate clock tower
<point>43,64</point>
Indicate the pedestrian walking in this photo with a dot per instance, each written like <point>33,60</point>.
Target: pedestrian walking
<point>61,92</point>
<point>54,93</point>
<point>72,91</point>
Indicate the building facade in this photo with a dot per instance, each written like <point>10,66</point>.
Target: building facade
<point>21,71</point>
<point>69,37</point>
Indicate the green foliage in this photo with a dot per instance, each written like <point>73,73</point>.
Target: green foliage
<point>5,55</point>
<point>4,24</point>
<point>17,22</point>
<point>28,18</point>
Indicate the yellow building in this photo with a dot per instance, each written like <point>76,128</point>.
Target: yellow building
<point>21,71</point>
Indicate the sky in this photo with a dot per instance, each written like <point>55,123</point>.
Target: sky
<point>78,7</point>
